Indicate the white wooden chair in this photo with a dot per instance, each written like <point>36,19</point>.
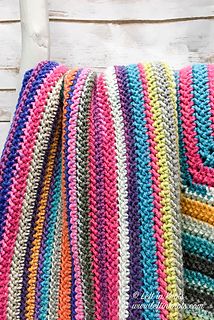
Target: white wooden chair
<point>35,35</point>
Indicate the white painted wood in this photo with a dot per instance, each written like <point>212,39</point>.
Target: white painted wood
<point>8,78</point>
<point>100,45</point>
<point>115,9</point>
<point>177,43</point>
<point>9,10</point>
<point>7,104</point>
<point>10,45</point>
<point>129,9</point>
<point>4,129</point>
<point>35,34</point>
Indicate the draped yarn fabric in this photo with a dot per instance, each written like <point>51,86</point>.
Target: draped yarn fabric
<point>107,195</point>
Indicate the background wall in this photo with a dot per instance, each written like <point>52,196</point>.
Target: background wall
<point>98,33</point>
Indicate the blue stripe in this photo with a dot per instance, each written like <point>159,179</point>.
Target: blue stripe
<point>186,177</point>
<point>202,112</point>
<point>197,245</point>
<point>144,184</point>
<point>17,139</point>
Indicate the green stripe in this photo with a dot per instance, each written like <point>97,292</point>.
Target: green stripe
<point>82,174</point>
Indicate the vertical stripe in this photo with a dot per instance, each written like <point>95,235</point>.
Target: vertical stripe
<point>12,190</point>
<point>64,311</point>
<point>71,167</point>
<point>155,94</point>
<point>149,284</point>
<point>38,230</point>
<point>122,185</point>
<point>111,205</point>
<point>69,84</point>
<point>46,248</point>
<point>133,205</point>
<point>151,118</point>
<point>82,194</point>
<point>30,195</point>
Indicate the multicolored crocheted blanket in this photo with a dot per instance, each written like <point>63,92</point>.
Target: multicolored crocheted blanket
<point>107,195</point>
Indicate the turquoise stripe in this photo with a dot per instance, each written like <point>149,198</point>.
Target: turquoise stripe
<point>199,313</point>
<point>203,113</point>
<point>144,183</point>
<point>197,245</point>
<point>186,177</point>
<point>198,280</point>
<point>49,243</point>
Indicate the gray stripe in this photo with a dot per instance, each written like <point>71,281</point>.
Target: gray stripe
<point>55,270</point>
<point>169,121</point>
<point>43,137</point>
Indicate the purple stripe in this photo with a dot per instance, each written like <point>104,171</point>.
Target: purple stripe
<point>31,235</point>
<point>136,274</point>
<point>14,140</point>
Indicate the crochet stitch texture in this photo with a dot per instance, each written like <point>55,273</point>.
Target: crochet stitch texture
<point>107,195</point>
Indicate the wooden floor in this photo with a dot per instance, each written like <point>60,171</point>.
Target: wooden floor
<point>99,33</point>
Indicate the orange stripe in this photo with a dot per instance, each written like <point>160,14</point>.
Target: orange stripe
<point>64,312</point>
<point>30,297</point>
<point>197,209</point>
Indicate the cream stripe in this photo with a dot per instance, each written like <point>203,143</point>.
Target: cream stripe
<point>197,227</point>
<point>122,187</point>
<point>207,198</point>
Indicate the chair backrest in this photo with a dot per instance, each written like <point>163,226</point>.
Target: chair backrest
<point>35,35</point>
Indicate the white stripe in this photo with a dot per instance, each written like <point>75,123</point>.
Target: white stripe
<point>198,227</point>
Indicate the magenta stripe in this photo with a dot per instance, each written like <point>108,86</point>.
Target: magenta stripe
<point>72,190</point>
<point>111,206</point>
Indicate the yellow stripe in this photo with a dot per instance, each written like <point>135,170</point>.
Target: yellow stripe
<point>165,193</point>
<point>197,209</point>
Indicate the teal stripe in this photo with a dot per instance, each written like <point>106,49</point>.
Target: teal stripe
<point>202,113</point>
<point>200,313</point>
<point>198,245</point>
<point>186,177</point>
<point>144,184</point>
<point>198,280</point>
<point>49,244</point>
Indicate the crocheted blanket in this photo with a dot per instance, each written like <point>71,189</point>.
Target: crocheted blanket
<point>107,195</point>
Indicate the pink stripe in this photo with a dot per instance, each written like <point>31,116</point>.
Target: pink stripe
<point>200,173</point>
<point>210,69</point>
<point>72,190</point>
<point>111,207</point>
<point>19,182</point>
<point>93,214</point>
<point>156,195</point>
<point>6,151</point>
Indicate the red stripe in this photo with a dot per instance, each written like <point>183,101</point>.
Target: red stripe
<point>111,206</point>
